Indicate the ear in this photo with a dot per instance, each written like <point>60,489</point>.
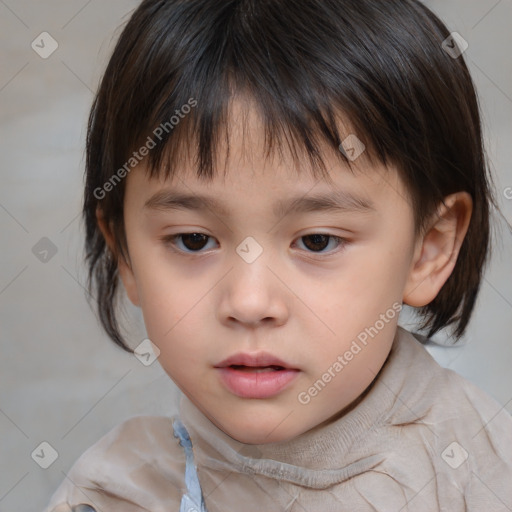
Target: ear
<point>437,250</point>
<point>125,270</point>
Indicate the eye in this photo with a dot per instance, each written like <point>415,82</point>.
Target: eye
<point>196,242</point>
<point>317,242</point>
<point>192,242</point>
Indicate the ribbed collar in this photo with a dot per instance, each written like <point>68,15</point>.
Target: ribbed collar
<point>332,452</point>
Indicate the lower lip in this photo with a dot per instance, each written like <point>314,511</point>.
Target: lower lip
<point>252,384</point>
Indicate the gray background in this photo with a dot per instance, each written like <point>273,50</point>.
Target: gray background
<point>62,381</point>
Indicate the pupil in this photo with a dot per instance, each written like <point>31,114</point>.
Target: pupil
<point>197,241</point>
<point>317,239</point>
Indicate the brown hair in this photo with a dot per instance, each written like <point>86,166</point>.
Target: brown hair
<point>382,64</point>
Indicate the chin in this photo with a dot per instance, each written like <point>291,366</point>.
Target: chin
<point>263,431</point>
<point>258,437</point>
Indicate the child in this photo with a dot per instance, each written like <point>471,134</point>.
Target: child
<point>354,182</point>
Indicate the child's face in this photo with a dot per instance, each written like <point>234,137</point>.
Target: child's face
<point>304,299</point>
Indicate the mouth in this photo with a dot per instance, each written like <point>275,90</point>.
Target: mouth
<point>261,361</point>
<point>259,375</point>
<point>256,369</point>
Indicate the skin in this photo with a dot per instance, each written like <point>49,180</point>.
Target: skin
<point>302,301</point>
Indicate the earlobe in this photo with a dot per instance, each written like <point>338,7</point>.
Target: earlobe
<point>106,230</point>
<point>128,279</point>
<point>125,271</point>
<point>437,250</point>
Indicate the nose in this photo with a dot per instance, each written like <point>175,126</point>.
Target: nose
<point>254,293</point>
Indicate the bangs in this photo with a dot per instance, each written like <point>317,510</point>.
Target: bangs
<point>198,138</point>
<point>181,98</point>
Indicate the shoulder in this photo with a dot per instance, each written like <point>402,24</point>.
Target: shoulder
<point>473,447</point>
<point>444,429</point>
<point>138,465</point>
<point>428,390</point>
<point>148,438</point>
<point>458,402</point>
<point>466,432</point>
<point>479,418</point>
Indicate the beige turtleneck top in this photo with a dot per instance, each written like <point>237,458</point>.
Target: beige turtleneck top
<point>422,439</point>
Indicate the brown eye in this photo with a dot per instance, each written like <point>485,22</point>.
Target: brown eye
<point>188,242</point>
<point>319,242</point>
<point>316,242</point>
<point>193,241</point>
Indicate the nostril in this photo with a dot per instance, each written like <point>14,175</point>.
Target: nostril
<point>83,508</point>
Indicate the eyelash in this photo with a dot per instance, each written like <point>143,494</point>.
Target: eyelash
<point>170,240</point>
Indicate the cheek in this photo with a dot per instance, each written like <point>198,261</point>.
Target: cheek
<point>370,276</point>
<point>383,267</point>
<point>175,325</point>
<point>173,306</point>
<point>368,286</point>
<point>164,295</point>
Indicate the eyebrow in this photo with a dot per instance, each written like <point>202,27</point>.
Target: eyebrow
<point>335,201</point>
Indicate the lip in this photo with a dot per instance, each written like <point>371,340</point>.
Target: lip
<point>257,359</point>
<point>256,384</point>
<point>260,382</point>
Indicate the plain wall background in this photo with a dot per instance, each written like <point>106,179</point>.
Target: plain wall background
<point>61,380</point>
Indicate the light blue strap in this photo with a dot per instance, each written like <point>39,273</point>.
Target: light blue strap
<point>193,500</point>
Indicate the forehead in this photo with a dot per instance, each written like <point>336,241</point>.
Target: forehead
<point>248,165</point>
